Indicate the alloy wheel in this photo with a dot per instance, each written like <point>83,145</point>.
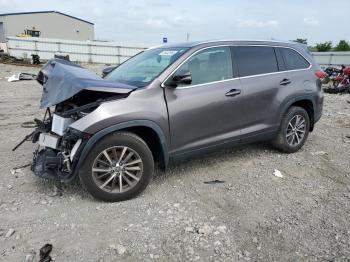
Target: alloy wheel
<point>296,130</point>
<point>117,169</point>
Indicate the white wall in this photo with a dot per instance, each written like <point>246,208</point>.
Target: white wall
<point>81,51</point>
<point>332,58</point>
<point>2,32</point>
<point>3,46</point>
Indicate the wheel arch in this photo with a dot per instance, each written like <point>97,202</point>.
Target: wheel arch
<point>148,130</point>
<point>305,102</point>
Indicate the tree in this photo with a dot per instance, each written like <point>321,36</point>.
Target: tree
<point>343,45</point>
<point>324,47</point>
<point>301,41</point>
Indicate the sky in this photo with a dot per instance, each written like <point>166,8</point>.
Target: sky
<point>146,22</point>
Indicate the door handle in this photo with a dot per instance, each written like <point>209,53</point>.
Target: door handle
<point>233,92</point>
<point>285,82</point>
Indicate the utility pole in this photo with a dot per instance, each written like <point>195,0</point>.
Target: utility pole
<point>187,37</point>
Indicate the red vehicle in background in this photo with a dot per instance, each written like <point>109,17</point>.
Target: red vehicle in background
<point>340,79</point>
<point>343,80</point>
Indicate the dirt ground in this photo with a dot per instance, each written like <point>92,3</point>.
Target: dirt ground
<point>253,215</point>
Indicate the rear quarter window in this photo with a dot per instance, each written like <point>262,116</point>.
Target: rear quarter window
<point>255,60</point>
<point>293,60</point>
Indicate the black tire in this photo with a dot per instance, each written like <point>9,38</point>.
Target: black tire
<point>121,139</point>
<point>280,141</point>
<point>335,83</point>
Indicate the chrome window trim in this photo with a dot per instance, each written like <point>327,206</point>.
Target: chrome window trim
<point>266,41</point>
<point>209,83</point>
<point>234,78</point>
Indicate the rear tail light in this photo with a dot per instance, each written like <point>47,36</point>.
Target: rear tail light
<point>320,74</point>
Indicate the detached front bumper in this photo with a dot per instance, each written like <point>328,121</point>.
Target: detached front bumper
<point>56,156</point>
<point>47,164</point>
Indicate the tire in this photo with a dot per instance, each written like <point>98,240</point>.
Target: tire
<point>335,83</point>
<point>101,173</point>
<point>284,140</point>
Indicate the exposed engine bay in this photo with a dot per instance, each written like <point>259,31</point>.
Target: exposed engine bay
<point>59,145</point>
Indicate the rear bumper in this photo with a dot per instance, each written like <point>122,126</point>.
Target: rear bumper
<point>319,107</point>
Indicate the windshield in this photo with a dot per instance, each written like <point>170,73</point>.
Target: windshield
<point>141,69</point>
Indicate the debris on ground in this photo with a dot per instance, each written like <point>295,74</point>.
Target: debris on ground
<point>15,171</point>
<point>26,138</point>
<point>190,229</point>
<point>45,253</point>
<point>35,59</point>
<point>120,249</point>
<point>277,173</point>
<point>21,76</point>
<point>319,153</point>
<point>62,56</point>
<point>20,166</point>
<point>30,256</point>
<point>222,229</point>
<point>346,139</point>
<point>10,232</point>
<point>337,90</point>
<point>10,59</point>
<point>343,114</point>
<point>56,191</point>
<point>205,230</point>
<point>216,181</point>
<point>29,124</point>
<point>13,78</point>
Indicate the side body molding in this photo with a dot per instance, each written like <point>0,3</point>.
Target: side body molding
<point>134,123</point>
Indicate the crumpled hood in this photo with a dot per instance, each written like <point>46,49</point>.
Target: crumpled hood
<point>62,79</point>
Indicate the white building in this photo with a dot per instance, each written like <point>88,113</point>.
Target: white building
<point>46,24</point>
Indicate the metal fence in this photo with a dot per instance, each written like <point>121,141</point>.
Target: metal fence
<point>332,58</point>
<point>113,53</point>
<point>79,51</point>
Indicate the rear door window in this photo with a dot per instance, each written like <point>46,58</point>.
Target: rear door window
<point>255,60</point>
<point>293,60</point>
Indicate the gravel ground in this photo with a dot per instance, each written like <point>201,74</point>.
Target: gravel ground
<point>253,215</point>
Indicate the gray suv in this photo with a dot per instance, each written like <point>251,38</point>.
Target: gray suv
<point>169,103</point>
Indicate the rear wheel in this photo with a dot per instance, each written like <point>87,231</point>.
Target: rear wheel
<point>118,168</point>
<point>293,131</point>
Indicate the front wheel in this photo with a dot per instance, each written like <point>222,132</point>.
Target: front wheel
<point>293,131</point>
<point>118,168</point>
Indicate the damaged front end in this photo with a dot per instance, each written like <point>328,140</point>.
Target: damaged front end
<point>73,97</point>
<point>59,146</point>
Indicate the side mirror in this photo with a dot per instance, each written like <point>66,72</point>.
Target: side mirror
<point>107,70</point>
<point>181,77</point>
